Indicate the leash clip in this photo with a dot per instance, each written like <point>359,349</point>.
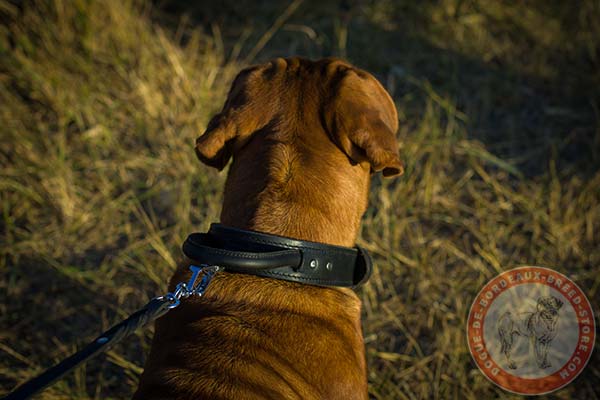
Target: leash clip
<point>185,290</point>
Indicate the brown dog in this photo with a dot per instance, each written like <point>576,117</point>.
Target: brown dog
<point>304,137</point>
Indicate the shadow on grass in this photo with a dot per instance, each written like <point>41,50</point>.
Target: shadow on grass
<point>71,314</point>
<point>525,93</point>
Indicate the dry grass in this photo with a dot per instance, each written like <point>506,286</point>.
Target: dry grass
<point>99,183</point>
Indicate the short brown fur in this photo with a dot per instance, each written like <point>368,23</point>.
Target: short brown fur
<point>304,137</point>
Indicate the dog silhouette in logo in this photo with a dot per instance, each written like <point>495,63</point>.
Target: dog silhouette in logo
<point>538,325</point>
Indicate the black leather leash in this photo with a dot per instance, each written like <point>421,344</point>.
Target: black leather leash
<point>154,309</point>
<point>232,250</point>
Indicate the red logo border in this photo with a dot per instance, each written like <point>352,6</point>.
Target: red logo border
<point>502,378</point>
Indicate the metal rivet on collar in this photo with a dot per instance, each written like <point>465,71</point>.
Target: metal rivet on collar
<point>313,264</point>
<point>329,266</point>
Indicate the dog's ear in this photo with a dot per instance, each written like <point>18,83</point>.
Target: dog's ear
<point>213,148</point>
<point>362,120</point>
<point>241,116</point>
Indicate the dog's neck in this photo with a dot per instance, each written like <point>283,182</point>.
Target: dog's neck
<point>305,192</point>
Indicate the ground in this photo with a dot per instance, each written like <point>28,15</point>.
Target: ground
<point>102,101</point>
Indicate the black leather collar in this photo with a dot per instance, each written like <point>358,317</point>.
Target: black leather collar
<point>272,256</point>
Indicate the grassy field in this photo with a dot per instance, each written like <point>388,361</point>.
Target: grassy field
<point>101,102</point>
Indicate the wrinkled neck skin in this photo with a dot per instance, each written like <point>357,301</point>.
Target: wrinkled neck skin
<point>290,188</point>
<point>280,339</point>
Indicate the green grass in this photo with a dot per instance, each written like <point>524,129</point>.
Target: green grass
<point>99,185</point>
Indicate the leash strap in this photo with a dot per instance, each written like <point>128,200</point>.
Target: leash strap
<point>108,339</point>
<point>156,308</point>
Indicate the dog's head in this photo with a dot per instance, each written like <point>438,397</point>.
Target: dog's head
<point>304,137</point>
<point>330,98</point>
<point>549,306</point>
